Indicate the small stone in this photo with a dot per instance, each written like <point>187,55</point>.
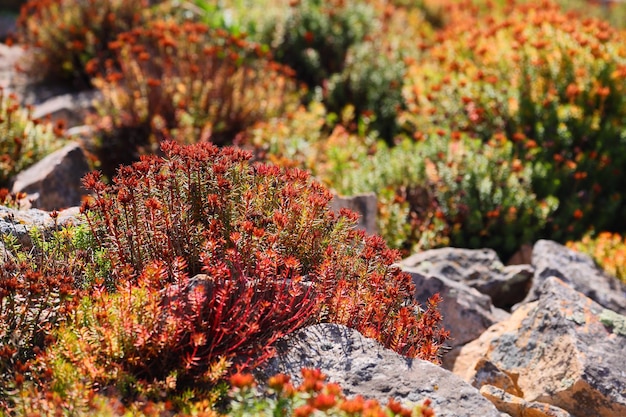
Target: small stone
<point>55,182</point>
<point>366,205</point>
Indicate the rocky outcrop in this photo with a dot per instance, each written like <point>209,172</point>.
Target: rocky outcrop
<point>466,312</point>
<point>54,182</point>
<point>551,259</point>
<point>565,349</point>
<point>362,366</point>
<point>518,407</point>
<point>478,268</point>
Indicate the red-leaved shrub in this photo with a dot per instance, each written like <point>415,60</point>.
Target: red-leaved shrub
<point>65,35</point>
<point>238,254</point>
<point>185,82</point>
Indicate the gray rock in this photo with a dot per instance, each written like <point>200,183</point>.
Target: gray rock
<point>579,271</point>
<point>70,107</point>
<point>567,350</point>
<point>466,312</point>
<point>363,366</point>
<point>366,205</point>
<point>55,182</point>
<point>19,222</point>
<point>478,268</point>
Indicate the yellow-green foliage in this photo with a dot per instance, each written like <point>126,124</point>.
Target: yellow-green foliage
<point>458,191</point>
<point>552,83</point>
<point>607,249</point>
<point>444,189</point>
<point>23,139</point>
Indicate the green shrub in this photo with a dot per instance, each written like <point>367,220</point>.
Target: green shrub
<point>372,83</point>
<point>24,140</point>
<point>313,38</point>
<point>449,190</point>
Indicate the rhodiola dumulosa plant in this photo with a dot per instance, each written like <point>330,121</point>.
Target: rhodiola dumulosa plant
<point>187,80</point>
<point>553,84</point>
<point>40,287</point>
<point>65,36</point>
<point>212,258</point>
<point>24,140</point>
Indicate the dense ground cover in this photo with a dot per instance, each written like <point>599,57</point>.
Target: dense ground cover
<point>477,123</point>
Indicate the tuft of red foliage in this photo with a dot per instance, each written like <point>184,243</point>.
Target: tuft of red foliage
<point>185,81</point>
<point>66,35</point>
<point>34,300</point>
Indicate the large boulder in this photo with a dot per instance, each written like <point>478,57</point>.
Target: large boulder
<point>563,349</point>
<point>55,182</point>
<point>477,268</point>
<point>363,366</point>
<point>551,259</point>
<point>466,312</point>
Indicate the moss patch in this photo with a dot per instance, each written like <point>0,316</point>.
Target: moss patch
<point>615,321</point>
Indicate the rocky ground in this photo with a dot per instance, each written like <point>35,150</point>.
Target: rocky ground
<point>543,337</point>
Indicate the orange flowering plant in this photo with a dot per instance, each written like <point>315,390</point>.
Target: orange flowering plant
<point>553,84</point>
<point>313,396</point>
